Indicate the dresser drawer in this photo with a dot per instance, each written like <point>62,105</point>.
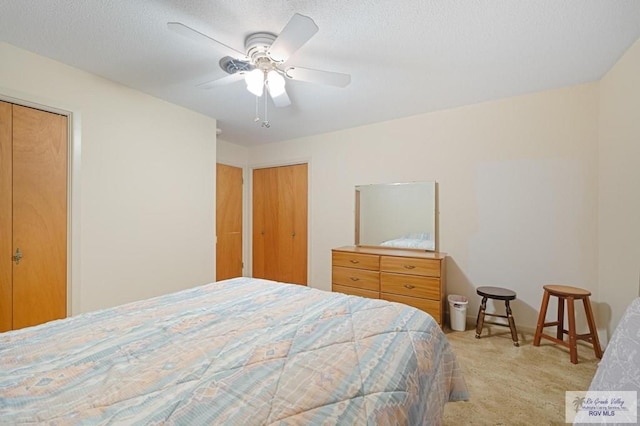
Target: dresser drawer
<point>356,260</point>
<point>410,265</point>
<point>410,285</point>
<point>432,307</point>
<point>354,291</point>
<point>351,277</point>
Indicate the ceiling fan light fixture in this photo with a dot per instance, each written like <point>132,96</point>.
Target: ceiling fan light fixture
<point>255,81</point>
<point>276,83</point>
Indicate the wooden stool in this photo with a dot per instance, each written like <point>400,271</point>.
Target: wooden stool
<point>497,293</point>
<point>563,292</point>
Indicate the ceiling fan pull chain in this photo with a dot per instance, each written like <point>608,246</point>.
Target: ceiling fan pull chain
<point>257,117</point>
<point>265,123</point>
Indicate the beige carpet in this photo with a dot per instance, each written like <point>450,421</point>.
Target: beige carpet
<point>515,385</point>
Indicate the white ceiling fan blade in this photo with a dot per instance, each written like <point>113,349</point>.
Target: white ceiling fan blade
<point>318,76</point>
<point>231,78</point>
<point>281,100</point>
<point>197,36</point>
<point>297,32</point>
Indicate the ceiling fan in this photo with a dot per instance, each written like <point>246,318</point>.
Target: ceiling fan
<point>263,65</point>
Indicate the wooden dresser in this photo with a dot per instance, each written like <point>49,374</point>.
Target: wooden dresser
<point>412,277</point>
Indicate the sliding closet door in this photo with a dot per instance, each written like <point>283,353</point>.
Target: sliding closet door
<point>284,228</point>
<point>280,223</point>
<point>6,286</point>
<point>299,204</point>
<point>39,216</point>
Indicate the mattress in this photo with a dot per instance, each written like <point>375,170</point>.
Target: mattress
<point>241,351</point>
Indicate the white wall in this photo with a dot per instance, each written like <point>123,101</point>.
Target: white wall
<point>146,192</point>
<point>619,202</point>
<point>231,154</point>
<point>517,189</point>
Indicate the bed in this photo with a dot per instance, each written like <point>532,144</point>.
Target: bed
<point>419,240</point>
<point>241,351</point>
<point>619,369</point>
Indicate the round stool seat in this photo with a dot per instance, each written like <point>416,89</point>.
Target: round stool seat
<point>565,290</point>
<point>567,295</point>
<point>498,293</point>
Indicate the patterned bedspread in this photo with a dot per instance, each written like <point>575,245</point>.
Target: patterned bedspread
<point>242,351</point>
<point>619,369</point>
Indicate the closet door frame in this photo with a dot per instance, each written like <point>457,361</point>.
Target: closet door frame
<point>249,210</point>
<point>74,143</point>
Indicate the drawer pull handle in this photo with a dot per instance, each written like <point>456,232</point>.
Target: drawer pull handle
<point>354,278</point>
<point>409,266</point>
<point>409,286</point>
<point>354,261</point>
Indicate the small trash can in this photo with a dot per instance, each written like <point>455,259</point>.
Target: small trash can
<point>458,311</point>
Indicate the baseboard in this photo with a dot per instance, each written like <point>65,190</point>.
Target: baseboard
<point>470,324</point>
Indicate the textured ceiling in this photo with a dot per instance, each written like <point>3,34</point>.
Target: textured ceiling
<point>405,57</point>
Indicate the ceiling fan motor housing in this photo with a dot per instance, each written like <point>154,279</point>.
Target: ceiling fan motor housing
<point>257,45</point>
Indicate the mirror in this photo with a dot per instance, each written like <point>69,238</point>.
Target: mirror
<point>397,215</point>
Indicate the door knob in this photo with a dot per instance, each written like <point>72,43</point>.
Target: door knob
<point>16,257</point>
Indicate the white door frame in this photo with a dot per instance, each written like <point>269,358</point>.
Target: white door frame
<point>74,143</point>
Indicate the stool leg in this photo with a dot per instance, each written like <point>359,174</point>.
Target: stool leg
<point>560,328</point>
<point>573,347</point>
<point>541,318</point>
<point>592,327</point>
<point>480,319</point>
<point>512,324</point>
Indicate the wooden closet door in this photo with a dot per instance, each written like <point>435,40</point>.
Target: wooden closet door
<point>257,224</point>
<point>6,243</point>
<point>39,216</point>
<point>228,222</point>
<point>300,217</point>
<point>280,224</point>
<point>284,225</point>
<point>265,223</point>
